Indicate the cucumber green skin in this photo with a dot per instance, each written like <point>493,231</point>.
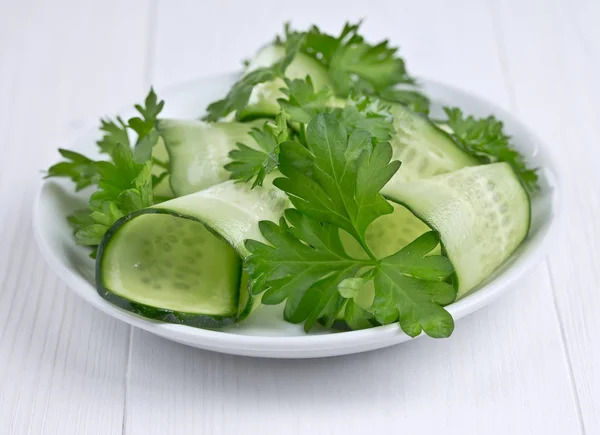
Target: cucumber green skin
<point>178,317</point>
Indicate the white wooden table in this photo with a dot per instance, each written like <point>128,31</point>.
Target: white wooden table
<point>529,364</point>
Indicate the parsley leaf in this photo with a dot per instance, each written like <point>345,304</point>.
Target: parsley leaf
<point>358,112</point>
<point>334,184</point>
<point>238,96</point>
<point>145,127</point>
<point>125,183</point>
<point>368,114</point>
<point>124,186</point>
<point>337,178</point>
<point>409,288</point>
<point>355,66</point>
<point>302,105</point>
<point>78,168</point>
<point>248,163</point>
<point>484,138</point>
<point>303,266</point>
<point>114,133</point>
<point>359,66</point>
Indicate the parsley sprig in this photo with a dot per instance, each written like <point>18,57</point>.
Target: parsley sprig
<point>484,138</point>
<point>334,183</point>
<point>124,184</point>
<point>358,67</point>
<point>252,163</point>
<point>237,98</point>
<point>303,103</point>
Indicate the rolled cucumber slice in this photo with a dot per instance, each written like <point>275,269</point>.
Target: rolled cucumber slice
<point>482,214</point>
<point>423,148</point>
<point>263,100</point>
<point>181,261</point>
<point>198,151</point>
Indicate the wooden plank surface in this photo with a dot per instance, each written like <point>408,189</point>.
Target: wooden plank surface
<point>488,378</point>
<point>553,55</point>
<point>62,363</point>
<point>527,365</point>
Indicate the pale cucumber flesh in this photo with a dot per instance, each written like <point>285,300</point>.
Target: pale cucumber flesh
<point>482,214</point>
<point>172,263</point>
<point>424,149</point>
<point>180,261</point>
<point>198,151</point>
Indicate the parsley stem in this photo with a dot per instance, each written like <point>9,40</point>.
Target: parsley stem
<point>367,250</point>
<point>160,163</point>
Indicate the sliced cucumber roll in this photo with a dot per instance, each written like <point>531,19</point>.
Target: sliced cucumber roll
<point>263,100</point>
<point>181,261</point>
<point>482,214</point>
<point>424,149</point>
<point>198,151</point>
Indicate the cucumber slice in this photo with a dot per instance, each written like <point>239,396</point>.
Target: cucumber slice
<point>263,99</point>
<point>181,261</point>
<point>424,149</point>
<point>482,214</point>
<point>198,150</point>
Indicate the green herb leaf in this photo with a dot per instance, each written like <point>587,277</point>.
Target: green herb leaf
<point>237,98</point>
<point>303,103</point>
<point>250,163</point>
<point>334,184</point>
<point>125,183</point>
<point>114,133</point>
<point>367,114</point>
<point>145,127</point>
<point>484,138</point>
<point>80,219</point>
<point>409,287</point>
<point>337,178</point>
<point>357,317</point>
<point>358,112</point>
<point>78,168</point>
<point>303,266</point>
<point>358,67</point>
<point>124,186</point>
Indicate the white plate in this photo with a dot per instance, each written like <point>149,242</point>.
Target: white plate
<point>265,334</point>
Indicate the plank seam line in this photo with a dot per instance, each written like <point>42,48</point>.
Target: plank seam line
<point>566,350</point>
<point>127,377</point>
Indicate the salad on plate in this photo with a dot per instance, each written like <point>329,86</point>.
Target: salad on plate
<point>319,182</point>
